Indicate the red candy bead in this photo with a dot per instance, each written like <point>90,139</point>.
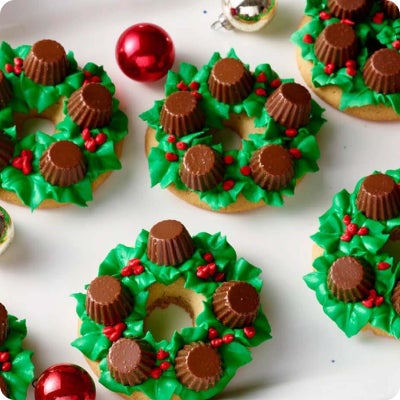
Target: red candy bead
<point>65,381</point>
<point>145,52</point>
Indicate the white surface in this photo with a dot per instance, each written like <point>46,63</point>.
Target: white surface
<point>56,252</point>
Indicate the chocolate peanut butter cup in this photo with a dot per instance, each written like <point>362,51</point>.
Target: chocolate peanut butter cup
<point>91,106</point>
<point>396,297</point>
<point>381,72</point>
<point>107,301</point>
<point>272,167</point>
<point>235,304</point>
<point>354,10</point>
<point>290,105</point>
<point>390,9</point>
<point>379,197</point>
<point>181,114</point>
<point>169,243</point>
<point>202,168</point>
<point>130,361</point>
<point>230,82</point>
<point>198,366</point>
<point>46,62</point>
<point>350,279</point>
<point>63,164</point>
<point>5,91</point>
<point>3,324</point>
<point>7,146</point>
<point>336,44</point>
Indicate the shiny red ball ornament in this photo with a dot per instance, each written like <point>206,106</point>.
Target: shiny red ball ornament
<point>65,382</point>
<point>145,52</point>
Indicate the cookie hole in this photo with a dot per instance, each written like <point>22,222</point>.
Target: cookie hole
<point>229,139</point>
<point>32,125</point>
<point>171,308</point>
<point>163,322</point>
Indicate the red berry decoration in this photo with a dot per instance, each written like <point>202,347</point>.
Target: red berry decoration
<point>145,52</point>
<point>65,381</point>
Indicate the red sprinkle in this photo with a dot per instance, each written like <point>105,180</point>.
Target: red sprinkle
<point>91,145</point>
<point>171,139</point>
<point>347,21</point>
<point>261,77</point>
<point>249,331</point>
<point>171,157</point>
<point>156,373</point>
<point>127,271</point>
<point>363,231</point>
<point>378,18</point>
<point>181,146</point>
<point>162,354</point>
<point>219,276</point>
<point>352,229</point>
<point>4,356</point>
<point>165,365</point>
<point>6,366</point>
<point>182,86</point>
<point>138,269</point>
<point>324,15</point>
<point>228,159</point>
<point>228,338</point>
<point>208,257</point>
<point>351,64</point>
<point>291,132</point>
<point>9,68</point>
<point>346,219</point>
<point>194,85</point>
<point>396,44</point>
<point>351,71</point>
<point>275,83</point>
<point>346,237</point>
<point>228,184</point>
<point>296,153</point>
<point>307,38</point>
<point>202,272</point>
<point>18,61</point>
<point>217,342</point>
<point>383,266</point>
<point>196,95</point>
<point>86,134</point>
<point>212,333</point>
<point>100,138</point>
<point>245,170</point>
<point>329,69</point>
<point>261,92</point>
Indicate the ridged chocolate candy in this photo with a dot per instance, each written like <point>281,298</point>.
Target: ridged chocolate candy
<point>381,72</point>
<point>46,62</point>
<point>272,167</point>
<point>230,82</point>
<point>130,361</point>
<point>396,297</point>
<point>235,304</point>
<point>63,164</point>
<point>336,44</point>
<point>3,324</point>
<point>202,168</point>
<point>169,243</point>
<point>6,150</point>
<point>390,9</point>
<point>198,366</point>
<point>91,106</point>
<point>107,301</point>
<point>4,387</point>
<point>181,114</point>
<point>350,279</point>
<point>379,197</point>
<point>354,10</point>
<point>290,105</point>
<point>5,91</point>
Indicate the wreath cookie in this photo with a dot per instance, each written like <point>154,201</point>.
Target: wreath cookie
<point>348,53</point>
<point>16,367</point>
<point>167,266</point>
<point>356,275</point>
<point>276,119</point>
<point>41,170</point>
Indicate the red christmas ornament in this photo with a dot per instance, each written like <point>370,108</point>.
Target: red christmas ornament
<point>65,381</point>
<point>145,52</point>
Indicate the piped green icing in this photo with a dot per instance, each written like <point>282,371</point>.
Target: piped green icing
<point>95,345</point>
<point>372,247</point>
<point>28,96</point>
<point>166,173</point>
<point>355,93</point>
<point>21,373</point>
